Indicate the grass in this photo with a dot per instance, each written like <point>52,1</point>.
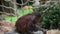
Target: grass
<point>21,13</point>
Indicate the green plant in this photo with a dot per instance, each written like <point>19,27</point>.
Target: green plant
<point>50,18</point>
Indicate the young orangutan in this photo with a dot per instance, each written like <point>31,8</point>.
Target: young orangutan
<point>27,24</point>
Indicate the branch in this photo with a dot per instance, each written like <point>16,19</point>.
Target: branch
<point>7,7</point>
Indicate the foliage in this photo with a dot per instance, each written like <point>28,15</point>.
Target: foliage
<point>50,18</point>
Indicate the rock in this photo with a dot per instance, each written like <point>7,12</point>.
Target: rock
<point>36,3</point>
<point>1,32</point>
<point>11,33</point>
<point>27,7</point>
<point>6,26</point>
<point>38,32</point>
<point>53,32</point>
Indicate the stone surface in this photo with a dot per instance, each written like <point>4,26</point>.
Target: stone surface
<point>1,32</point>
<point>38,32</point>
